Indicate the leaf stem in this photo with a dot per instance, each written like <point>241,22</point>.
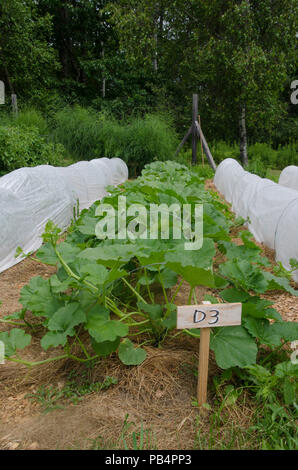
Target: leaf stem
<point>134,291</point>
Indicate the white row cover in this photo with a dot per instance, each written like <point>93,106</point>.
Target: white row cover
<point>272,209</point>
<point>289,177</point>
<point>29,197</point>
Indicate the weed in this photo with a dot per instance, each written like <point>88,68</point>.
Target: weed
<point>51,398</point>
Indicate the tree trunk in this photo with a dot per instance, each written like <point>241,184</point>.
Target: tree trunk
<point>10,85</point>
<point>103,88</point>
<point>243,137</point>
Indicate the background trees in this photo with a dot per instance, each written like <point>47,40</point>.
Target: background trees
<point>135,56</point>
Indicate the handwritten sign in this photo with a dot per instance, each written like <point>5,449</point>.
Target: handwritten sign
<point>208,316</point>
<point>2,92</point>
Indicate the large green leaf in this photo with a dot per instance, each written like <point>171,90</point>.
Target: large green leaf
<point>129,355</point>
<point>233,346</point>
<point>53,339</point>
<point>102,329</point>
<point>263,331</point>
<point>258,308</point>
<point>95,273</point>
<point>38,297</point>
<point>244,275</point>
<point>66,318</point>
<point>168,277</point>
<point>234,295</point>
<point>282,283</point>
<point>13,340</point>
<point>105,348</point>
<point>194,276</point>
<point>288,330</point>
<point>155,311</point>
<point>109,252</point>
<point>194,258</point>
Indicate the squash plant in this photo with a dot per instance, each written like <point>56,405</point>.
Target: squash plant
<point>105,290</point>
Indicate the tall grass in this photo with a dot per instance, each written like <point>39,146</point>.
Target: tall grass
<point>141,141</point>
<point>87,134</point>
<point>79,130</point>
<point>27,118</point>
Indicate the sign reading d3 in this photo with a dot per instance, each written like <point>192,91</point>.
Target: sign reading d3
<point>208,316</point>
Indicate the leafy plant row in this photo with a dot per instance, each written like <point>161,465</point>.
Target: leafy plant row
<point>115,296</point>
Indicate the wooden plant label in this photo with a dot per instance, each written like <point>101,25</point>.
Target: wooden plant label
<point>207,316</point>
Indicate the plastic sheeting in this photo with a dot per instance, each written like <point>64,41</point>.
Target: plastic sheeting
<point>29,197</point>
<point>289,177</point>
<point>271,209</point>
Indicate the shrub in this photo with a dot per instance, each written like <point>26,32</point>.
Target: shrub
<point>257,167</point>
<point>204,171</point>
<point>28,117</point>
<point>221,150</point>
<point>287,155</point>
<point>20,147</point>
<point>262,153</point>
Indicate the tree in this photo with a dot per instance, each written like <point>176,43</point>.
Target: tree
<point>27,61</point>
<point>235,54</point>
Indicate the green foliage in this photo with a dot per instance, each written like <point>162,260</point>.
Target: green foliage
<point>20,147</point>
<point>87,134</point>
<point>131,437</point>
<point>31,117</point>
<point>129,58</point>
<point>141,141</point>
<point>80,131</point>
<point>261,155</point>
<point>106,287</point>
<point>221,150</point>
<point>28,59</point>
<point>270,391</point>
<point>14,340</point>
<point>275,389</point>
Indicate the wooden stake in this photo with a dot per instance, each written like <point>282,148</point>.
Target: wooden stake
<point>202,153</point>
<point>203,365</point>
<point>194,130</point>
<point>206,316</point>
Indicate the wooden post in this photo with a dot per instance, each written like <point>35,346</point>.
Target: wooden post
<point>203,365</point>
<point>183,141</point>
<point>202,153</point>
<point>205,146</point>
<point>205,317</point>
<point>14,103</point>
<point>194,130</point>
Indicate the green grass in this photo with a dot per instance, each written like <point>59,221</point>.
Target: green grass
<point>273,174</point>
